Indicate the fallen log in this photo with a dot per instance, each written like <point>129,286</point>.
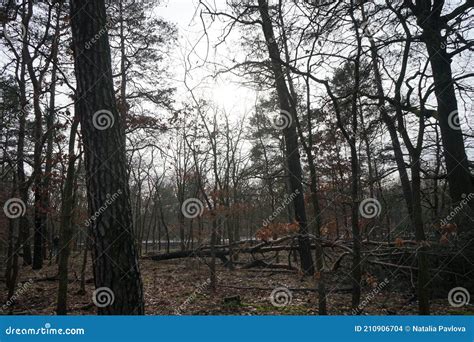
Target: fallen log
<point>400,243</point>
<point>185,254</point>
<point>255,244</point>
<point>292,289</point>
<point>269,270</point>
<point>263,264</point>
<point>222,252</point>
<point>219,253</point>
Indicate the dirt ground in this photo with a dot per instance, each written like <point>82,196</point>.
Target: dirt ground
<point>182,287</point>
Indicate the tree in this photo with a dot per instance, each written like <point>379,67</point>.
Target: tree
<point>114,251</point>
<point>288,112</point>
<point>66,229</point>
<point>411,191</point>
<point>433,23</point>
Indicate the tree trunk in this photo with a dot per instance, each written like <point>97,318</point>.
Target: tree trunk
<point>114,252</point>
<point>457,164</point>
<point>212,266</point>
<point>423,272</point>
<point>65,234</point>
<point>11,272</point>
<point>22,182</point>
<point>82,289</point>
<point>291,141</point>
<point>356,259</point>
<point>389,122</point>
<point>50,118</point>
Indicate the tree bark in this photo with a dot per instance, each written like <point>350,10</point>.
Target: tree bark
<point>114,252</point>
<point>65,234</point>
<point>457,164</point>
<point>291,141</point>
<point>23,184</point>
<point>423,271</point>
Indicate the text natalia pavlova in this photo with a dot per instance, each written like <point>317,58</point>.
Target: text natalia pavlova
<point>437,328</point>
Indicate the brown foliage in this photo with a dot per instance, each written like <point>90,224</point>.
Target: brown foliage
<point>276,230</point>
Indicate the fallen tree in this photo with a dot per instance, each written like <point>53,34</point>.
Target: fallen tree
<point>222,251</point>
<point>374,253</point>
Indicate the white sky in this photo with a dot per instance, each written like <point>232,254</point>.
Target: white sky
<point>225,90</point>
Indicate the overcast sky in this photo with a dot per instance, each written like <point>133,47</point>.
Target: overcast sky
<point>225,91</point>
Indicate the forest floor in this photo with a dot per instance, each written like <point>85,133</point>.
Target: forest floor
<point>182,287</point>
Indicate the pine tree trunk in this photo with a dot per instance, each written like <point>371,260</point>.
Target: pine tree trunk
<point>114,252</point>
